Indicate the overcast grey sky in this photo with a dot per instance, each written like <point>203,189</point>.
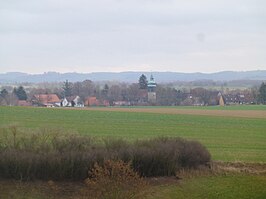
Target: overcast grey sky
<point>132,35</point>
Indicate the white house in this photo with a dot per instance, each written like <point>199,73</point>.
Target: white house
<point>72,101</point>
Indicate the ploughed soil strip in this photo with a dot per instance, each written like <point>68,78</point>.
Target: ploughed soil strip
<point>223,113</point>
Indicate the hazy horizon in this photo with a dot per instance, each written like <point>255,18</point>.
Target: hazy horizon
<point>132,35</point>
<point>45,72</point>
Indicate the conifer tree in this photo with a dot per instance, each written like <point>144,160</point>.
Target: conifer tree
<point>143,82</point>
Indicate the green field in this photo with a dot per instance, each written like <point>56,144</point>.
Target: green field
<point>227,138</point>
<point>218,187</point>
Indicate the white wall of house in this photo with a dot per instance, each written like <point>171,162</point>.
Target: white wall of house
<point>64,102</point>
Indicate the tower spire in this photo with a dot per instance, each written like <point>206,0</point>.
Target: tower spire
<point>151,90</point>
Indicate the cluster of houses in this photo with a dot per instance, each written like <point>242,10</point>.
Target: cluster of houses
<point>149,97</point>
<point>217,98</point>
<point>52,100</point>
<point>233,99</point>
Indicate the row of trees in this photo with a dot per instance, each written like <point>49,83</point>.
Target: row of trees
<point>7,98</point>
<point>19,92</point>
<point>134,93</point>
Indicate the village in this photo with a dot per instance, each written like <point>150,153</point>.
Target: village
<point>144,93</point>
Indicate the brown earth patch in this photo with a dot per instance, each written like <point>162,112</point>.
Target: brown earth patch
<point>222,113</point>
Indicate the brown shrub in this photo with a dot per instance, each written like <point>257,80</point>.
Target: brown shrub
<point>114,179</point>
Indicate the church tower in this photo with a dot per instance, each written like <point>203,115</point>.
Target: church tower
<point>151,90</point>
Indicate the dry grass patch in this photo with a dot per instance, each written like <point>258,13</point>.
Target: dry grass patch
<point>240,167</point>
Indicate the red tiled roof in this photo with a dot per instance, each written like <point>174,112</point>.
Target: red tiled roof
<point>47,98</point>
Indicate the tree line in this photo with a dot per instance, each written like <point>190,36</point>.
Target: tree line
<point>135,93</point>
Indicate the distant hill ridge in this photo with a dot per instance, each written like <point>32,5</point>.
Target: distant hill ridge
<point>17,77</point>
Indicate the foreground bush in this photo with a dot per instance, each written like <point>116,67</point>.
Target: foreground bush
<point>60,156</point>
<point>164,156</point>
<point>114,179</point>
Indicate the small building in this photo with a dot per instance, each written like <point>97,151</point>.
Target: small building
<point>64,102</point>
<point>151,90</point>
<point>72,101</point>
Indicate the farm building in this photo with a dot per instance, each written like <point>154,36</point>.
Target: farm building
<point>47,100</point>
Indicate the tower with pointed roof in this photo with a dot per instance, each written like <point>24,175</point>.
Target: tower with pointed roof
<point>151,90</point>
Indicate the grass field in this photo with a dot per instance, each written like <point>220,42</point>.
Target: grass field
<point>227,138</point>
<point>219,187</point>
